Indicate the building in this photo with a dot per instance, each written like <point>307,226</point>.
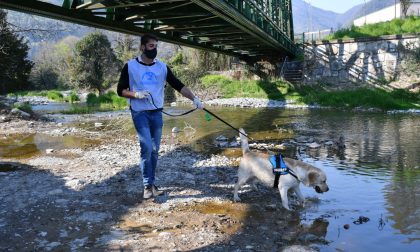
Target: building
<point>387,14</point>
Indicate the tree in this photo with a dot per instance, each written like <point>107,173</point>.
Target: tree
<point>126,48</point>
<point>405,5</point>
<point>14,65</point>
<point>94,65</point>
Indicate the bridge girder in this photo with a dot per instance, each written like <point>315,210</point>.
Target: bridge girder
<point>250,29</point>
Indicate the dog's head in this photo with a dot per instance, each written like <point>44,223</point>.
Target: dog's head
<point>318,180</point>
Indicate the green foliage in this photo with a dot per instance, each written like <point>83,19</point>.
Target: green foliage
<point>395,26</point>
<point>94,65</point>
<point>26,107</point>
<point>73,97</point>
<point>55,95</point>
<point>91,99</point>
<point>126,48</point>
<point>363,97</point>
<point>278,90</point>
<point>42,93</point>
<point>108,101</point>
<point>189,75</point>
<point>14,65</point>
<point>248,88</point>
<point>178,59</point>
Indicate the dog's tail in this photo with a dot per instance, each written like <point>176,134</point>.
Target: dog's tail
<point>244,141</point>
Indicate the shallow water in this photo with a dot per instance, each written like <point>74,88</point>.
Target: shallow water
<point>29,145</point>
<point>376,176</point>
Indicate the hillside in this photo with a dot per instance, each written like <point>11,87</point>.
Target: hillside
<point>310,18</point>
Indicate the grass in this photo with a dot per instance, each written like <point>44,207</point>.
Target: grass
<point>54,95</point>
<point>26,107</point>
<point>410,25</point>
<point>106,102</point>
<point>277,90</point>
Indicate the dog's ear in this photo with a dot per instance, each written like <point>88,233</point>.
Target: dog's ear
<point>311,178</point>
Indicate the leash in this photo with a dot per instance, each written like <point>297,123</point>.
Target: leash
<point>223,121</point>
<point>192,110</point>
<point>166,113</point>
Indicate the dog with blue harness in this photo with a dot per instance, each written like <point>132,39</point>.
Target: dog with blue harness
<point>288,173</point>
<point>279,168</point>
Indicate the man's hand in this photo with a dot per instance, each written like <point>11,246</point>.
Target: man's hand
<point>198,103</point>
<point>142,94</point>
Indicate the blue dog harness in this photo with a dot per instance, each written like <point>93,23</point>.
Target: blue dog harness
<point>279,168</point>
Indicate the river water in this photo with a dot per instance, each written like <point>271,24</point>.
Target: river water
<point>376,176</point>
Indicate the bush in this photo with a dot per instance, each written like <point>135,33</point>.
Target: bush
<point>395,26</point>
<point>108,101</point>
<point>73,97</point>
<point>55,95</point>
<point>26,107</point>
<point>91,99</point>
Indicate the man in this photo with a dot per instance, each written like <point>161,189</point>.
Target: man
<point>143,81</point>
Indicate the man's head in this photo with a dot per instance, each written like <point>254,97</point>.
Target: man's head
<point>148,45</point>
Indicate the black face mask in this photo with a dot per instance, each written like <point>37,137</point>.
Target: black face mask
<point>151,54</point>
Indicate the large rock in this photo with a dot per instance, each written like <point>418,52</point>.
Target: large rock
<point>20,113</point>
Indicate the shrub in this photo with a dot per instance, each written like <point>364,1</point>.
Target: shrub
<point>55,95</point>
<point>91,99</point>
<point>26,107</point>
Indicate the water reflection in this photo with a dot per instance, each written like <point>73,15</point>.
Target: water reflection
<point>376,175</point>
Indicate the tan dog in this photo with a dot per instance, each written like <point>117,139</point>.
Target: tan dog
<point>257,166</point>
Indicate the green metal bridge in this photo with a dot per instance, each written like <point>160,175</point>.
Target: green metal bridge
<point>250,29</point>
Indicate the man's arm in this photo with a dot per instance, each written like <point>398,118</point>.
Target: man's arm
<point>123,88</point>
<point>186,92</point>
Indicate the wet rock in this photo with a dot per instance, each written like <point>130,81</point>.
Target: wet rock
<point>302,139</point>
<point>98,124</point>
<point>48,151</point>
<point>43,234</point>
<point>346,226</point>
<point>55,192</point>
<point>77,243</point>
<point>307,238</point>
<point>298,248</point>
<point>249,247</point>
<point>4,119</point>
<point>361,220</point>
<point>52,245</point>
<point>271,207</point>
<point>221,138</point>
<point>329,143</point>
<point>20,113</point>
<point>313,145</point>
<point>95,217</point>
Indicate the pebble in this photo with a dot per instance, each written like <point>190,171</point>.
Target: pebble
<point>48,151</point>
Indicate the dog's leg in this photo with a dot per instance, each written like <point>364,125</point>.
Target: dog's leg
<point>241,181</point>
<point>254,185</point>
<point>284,199</point>
<point>299,195</point>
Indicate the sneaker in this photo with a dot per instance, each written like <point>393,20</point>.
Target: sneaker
<point>156,191</point>
<point>148,192</point>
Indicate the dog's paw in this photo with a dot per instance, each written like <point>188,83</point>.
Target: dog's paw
<point>236,199</point>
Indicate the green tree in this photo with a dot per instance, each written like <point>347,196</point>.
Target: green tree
<point>51,69</point>
<point>14,65</point>
<point>94,65</point>
<point>126,48</point>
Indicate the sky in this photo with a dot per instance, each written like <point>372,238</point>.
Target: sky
<point>338,6</point>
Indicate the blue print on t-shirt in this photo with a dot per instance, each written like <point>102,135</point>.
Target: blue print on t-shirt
<point>149,78</point>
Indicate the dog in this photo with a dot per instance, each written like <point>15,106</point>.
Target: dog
<point>257,166</point>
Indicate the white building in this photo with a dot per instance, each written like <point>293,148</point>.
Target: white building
<point>387,14</point>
